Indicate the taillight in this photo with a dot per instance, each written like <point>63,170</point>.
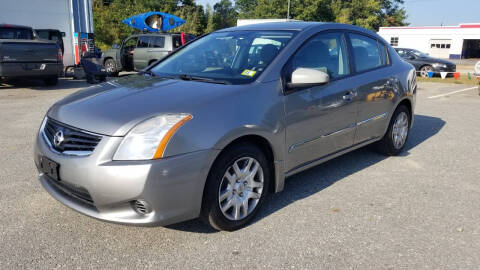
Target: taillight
<point>60,56</point>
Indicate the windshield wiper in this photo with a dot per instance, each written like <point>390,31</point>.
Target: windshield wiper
<point>186,77</point>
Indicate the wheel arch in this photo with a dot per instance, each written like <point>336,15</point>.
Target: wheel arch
<point>265,146</point>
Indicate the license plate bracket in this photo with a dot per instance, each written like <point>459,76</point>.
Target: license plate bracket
<point>50,168</point>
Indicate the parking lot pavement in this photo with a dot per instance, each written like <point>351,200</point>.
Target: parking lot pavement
<point>419,210</point>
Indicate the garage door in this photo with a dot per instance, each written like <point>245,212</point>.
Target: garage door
<point>440,48</point>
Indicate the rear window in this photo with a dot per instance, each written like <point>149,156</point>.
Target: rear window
<point>157,42</point>
<point>15,33</point>
<point>366,52</point>
<point>177,41</point>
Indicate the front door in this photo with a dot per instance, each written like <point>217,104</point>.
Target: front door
<point>320,120</point>
<point>127,52</point>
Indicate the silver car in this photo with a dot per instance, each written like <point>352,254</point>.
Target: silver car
<point>214,127</point>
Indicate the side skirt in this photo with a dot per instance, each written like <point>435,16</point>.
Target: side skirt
<point>315,162</point>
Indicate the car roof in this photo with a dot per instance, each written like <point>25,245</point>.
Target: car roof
<point>297,25</point>
<point>6,25</point>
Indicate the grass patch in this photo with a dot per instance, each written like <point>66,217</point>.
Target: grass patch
<point>462,80</point>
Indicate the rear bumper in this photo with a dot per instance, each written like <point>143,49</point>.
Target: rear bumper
<point>22,70</point>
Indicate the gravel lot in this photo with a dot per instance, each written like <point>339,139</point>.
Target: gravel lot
<point>360,211</point>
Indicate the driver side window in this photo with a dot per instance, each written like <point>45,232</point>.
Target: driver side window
<point>325,52</point>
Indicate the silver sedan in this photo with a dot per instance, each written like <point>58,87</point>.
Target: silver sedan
<point>214,127</point>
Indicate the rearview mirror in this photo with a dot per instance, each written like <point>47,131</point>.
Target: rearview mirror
<point>308,77</point>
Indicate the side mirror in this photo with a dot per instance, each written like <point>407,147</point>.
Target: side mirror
<point>308,77</point>
<point>115,46</point>
<point>63,34</point>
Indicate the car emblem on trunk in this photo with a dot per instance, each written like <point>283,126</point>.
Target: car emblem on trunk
<point>58,138</point>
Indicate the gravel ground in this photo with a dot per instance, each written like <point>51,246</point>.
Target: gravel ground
<point>419,210</point>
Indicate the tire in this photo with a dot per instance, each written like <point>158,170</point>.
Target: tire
<point>424,71</point>
<point>396,136</point>
<point>111,67</point>
<point>235,190</point>
<point>51,81</point>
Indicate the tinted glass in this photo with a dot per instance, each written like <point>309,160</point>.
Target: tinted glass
<point>14,33</point>
<point>143,42</point>
<point>324,52</point>
<point>366,53</point>
<point>234,57</point>
<point>43,34</point>
<point>157,42</point>
<point>177,41</point>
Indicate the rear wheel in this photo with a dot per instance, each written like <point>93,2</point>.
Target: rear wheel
<point>110,67</point>
<point>424,71</point>
<point>394,140</point>
<point>236,187</point>
<point>51,81</point>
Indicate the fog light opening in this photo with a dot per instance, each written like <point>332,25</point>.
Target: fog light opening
<point>141,207</point>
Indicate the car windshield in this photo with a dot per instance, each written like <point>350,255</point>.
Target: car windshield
<point>235,57</point>
<point>419,54</point>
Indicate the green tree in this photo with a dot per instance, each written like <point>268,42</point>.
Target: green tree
<point>224,15</point>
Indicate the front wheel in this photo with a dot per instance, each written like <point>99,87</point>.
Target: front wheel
<point>394,140</point>
<point>110,67</point>
<point>425,70</point>
<point>236,187</point>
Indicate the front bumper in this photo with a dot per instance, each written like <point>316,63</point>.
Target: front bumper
<point>449,68</point>
<point>173,186</point>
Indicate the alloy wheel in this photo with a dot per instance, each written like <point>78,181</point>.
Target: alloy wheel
<point>241,188</point>
<point>400,130</point>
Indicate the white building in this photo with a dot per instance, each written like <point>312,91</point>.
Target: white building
<point>241,22</point>
<point>454,42</point>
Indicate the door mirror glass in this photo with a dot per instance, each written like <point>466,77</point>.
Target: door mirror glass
<point>308,77</point>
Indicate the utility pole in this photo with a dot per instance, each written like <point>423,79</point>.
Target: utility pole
<point>288,11</point>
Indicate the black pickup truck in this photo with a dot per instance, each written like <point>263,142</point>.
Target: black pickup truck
<point>24,55</point>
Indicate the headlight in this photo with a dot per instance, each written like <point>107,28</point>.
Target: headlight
<point>148,139</point>
<point>438,65</point>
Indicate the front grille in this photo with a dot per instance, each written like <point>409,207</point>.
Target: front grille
<point>73,191</point>
<point>68,140</point>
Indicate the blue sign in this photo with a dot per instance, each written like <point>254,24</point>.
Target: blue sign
<point>154,21</point>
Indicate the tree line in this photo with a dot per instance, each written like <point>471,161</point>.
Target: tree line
<point>371,14</point>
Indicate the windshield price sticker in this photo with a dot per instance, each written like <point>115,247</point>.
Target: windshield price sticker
<point>249,73</point>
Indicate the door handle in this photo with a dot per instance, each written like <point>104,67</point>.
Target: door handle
<point>348,96</point>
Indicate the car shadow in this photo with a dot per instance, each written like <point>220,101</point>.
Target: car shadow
<point>36,84</point>
<point>314,180</point>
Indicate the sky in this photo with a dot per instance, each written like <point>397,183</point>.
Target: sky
<point>431,12</point>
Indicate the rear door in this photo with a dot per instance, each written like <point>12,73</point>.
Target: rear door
<point>320,120</point>
<point>157,48</point>
<point>375,82</point>
<point>141,55</point>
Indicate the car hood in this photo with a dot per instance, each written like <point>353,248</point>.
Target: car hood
<point>114,107</point>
